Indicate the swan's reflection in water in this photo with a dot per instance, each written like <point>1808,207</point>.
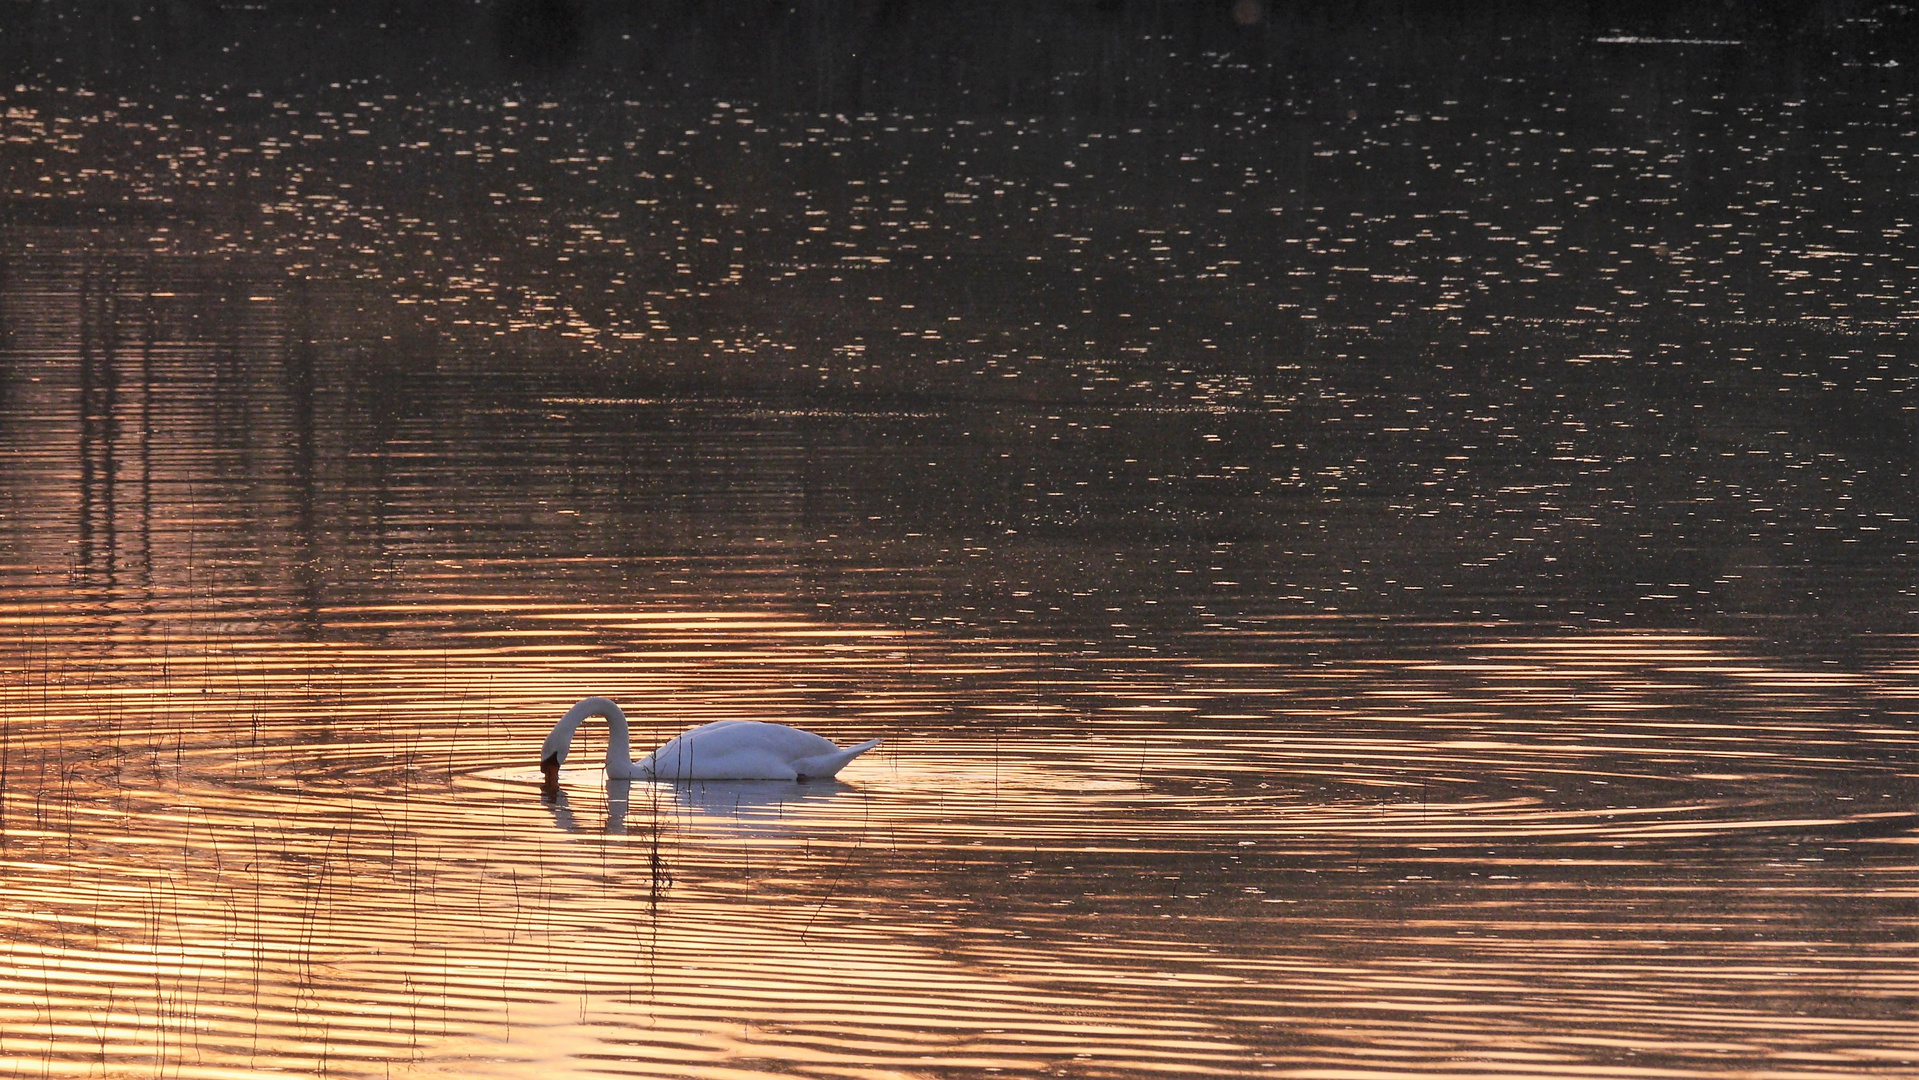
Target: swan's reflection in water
<point>749,807</point>
<point>754,800</point>
<point>554,796</point>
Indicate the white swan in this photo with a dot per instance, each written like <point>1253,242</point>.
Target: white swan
<point>722,750</point>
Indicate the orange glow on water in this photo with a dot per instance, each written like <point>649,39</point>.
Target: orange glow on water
<point>335,858</point>
<point>276,658</point>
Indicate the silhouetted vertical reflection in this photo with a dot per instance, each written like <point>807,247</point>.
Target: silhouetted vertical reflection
<point>149,338</point>
<point>308,561</point>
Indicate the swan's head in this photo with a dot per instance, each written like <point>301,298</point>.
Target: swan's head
<point>554,751</point>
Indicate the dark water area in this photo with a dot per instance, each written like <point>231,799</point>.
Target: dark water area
<point>1378,545</point>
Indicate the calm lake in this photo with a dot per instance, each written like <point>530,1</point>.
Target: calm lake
<point>1365,565</point>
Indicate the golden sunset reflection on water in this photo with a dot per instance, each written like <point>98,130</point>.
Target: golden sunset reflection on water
<point>1328,666</point>
<point>242,855</point>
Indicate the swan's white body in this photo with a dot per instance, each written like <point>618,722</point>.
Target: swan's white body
<point>722,750</point>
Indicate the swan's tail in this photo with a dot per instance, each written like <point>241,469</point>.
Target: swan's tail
<point>825,766</point>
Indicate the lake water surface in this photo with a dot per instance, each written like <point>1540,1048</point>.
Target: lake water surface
<point>1382,582</point>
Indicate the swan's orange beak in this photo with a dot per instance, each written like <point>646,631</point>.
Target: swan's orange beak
<point>550,768</point>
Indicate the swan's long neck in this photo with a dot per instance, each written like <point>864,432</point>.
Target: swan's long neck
<point>619,745</point>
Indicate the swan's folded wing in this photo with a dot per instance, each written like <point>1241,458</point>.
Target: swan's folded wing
<point>823,766</point>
